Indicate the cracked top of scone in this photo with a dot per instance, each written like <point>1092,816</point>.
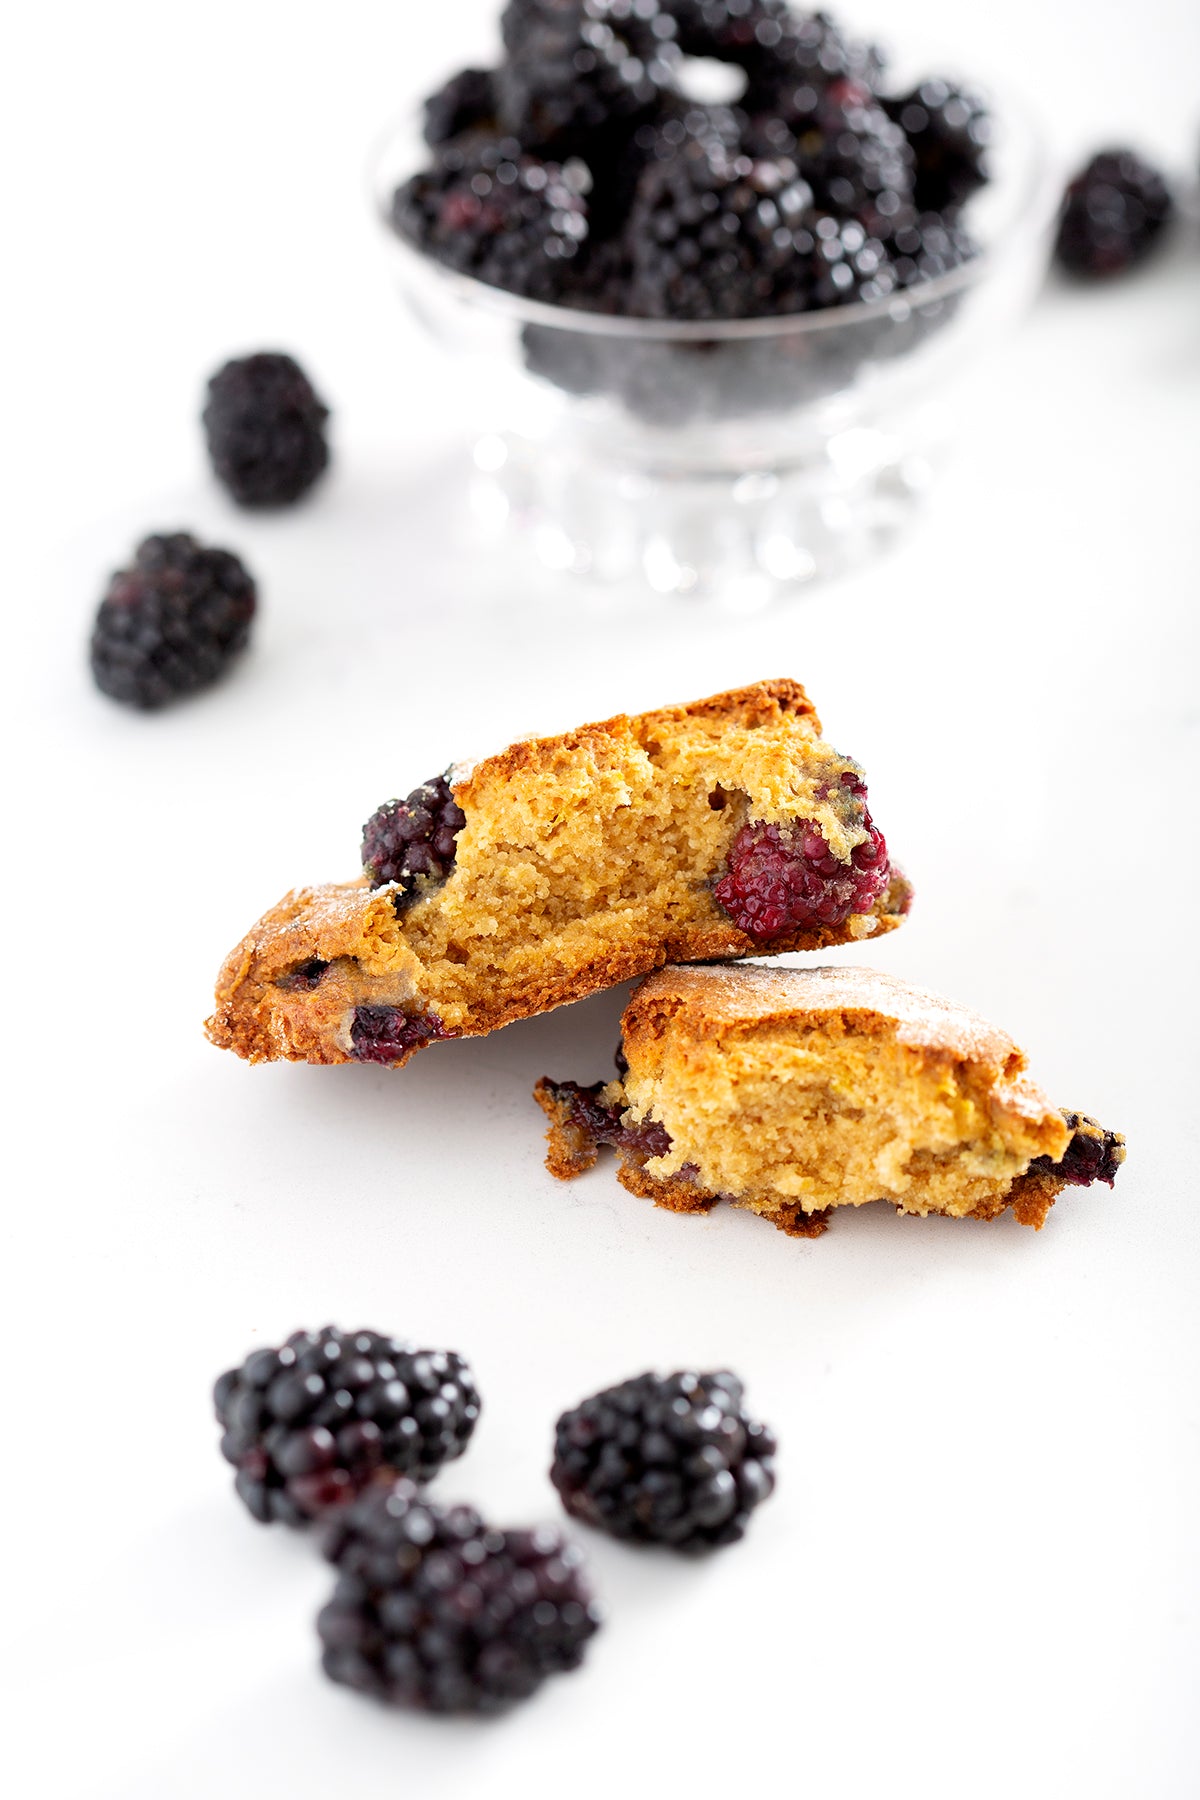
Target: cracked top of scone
<point>564,865</point>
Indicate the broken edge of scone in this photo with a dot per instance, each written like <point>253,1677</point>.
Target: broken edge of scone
<point>715,830</point>
<point>793,1091</point>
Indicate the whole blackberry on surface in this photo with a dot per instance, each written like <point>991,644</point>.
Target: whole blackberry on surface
<point>711,233</point>
<point>781,877</point>
<point>949,131</point>
<point>490,211</point>
<point>170,623</point>
<point>666,1460</point>
<point>265,428</point>
<point>309,1425</point>
<point>1113,214</point>
<point>580,73</point>
<point>413,842</point>
<point>437,1610</point>
<point>466,102</point>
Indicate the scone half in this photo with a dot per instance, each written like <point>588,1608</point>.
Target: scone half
<point>720,829</point>
<point>794,1091</point>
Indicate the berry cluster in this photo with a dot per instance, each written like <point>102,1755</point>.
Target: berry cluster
<point>172,622</point>
<point>311,1424</point>
<point>580,172</point>
<point>433,1607</point>
<point>670,1460</point>
<point>412,842</point>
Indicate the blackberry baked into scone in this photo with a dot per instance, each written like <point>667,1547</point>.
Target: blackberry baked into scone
<point>792,1091</point>
<point>564,865</point>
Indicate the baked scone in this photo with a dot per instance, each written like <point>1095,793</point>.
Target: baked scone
<point>562,866</point>
<point>792,1091</point>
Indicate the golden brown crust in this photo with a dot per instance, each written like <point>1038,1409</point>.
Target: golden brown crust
<point>942,1110</point>
<point>374,958</point>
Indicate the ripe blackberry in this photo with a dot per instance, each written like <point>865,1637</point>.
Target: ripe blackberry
<point>581,73</point>
<point>384,1034</point>
<point>310,1425</point>
<point>780,877</point>
<point>858,160</point>
<point>413,842</point>
<point>437,1610</point>
<point>949,131</point>
<point>1093,1153</point>
<point>265,428</point>
<point>928,245</point>
<point>814,55</point>
<point>1113,214</point>
<point>840,264</point>
<point>467,102</point>
<point>711,233</point>
<point>666,1460</point>
<point>170,623</point>
<point>489,211</point>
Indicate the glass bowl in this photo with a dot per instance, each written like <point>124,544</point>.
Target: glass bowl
<point>734,459</point>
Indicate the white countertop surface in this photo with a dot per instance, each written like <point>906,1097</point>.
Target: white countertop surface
<point>978,1577</point>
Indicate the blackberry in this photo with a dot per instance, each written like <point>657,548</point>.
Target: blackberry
<point>949,131</point>
<point>265,428</point>
<point>667,1460</point>
<point>467,102</point>
<point>926,246</point>
<point>711,233</point>
<point>310,1425</point>
<point>581,74</point>
<point>435,1609</point>
<point>781,877</point>
<point>814,56</point>
<point>489,211</point>
<point>413,842</point>
<point>584,1110</point>
<point>1113,214</point>
<point>170,623</point>
<point>1093,1154</point>
<point>858,160</point>
<point>841,264</point>
<point>384,1034</point>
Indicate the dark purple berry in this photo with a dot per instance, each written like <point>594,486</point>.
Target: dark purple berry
<point>583,1109</point>
<point>1093,1154</point>
<point>666,1460</point>
<point>857,159</point>
<point>413,842</point>
<point>581,74</point>
<point>467,102</point>
<point>265,428</point>
<point>949,131</point>
<point>492,212</point>
<point>172,622</point>
<point>435,1609</point>
<point>780,878</point>
<point>926,246</point>
<point>384,1034</point>
<point>1113,215</point>
<point>311,1424</point>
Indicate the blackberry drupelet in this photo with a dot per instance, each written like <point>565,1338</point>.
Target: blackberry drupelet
<point>467,102</point>
<point>435,1609</point>
<point>265,428</point>
<point>781,877</point>
<point>311,1424</point>
<point>1113,215</point>
<point>413,842</point>
<point>489,211</point>
<point>949,131</point>
<point>841,263</point>
<point>711,233</point>
<point>668,1460</point>
<point>580,74</point>
<point>171,623</point>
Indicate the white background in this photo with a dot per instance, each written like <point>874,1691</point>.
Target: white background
<point>978,1577</point>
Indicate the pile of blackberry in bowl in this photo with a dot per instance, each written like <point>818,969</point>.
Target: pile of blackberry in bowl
<point>707,259</point>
